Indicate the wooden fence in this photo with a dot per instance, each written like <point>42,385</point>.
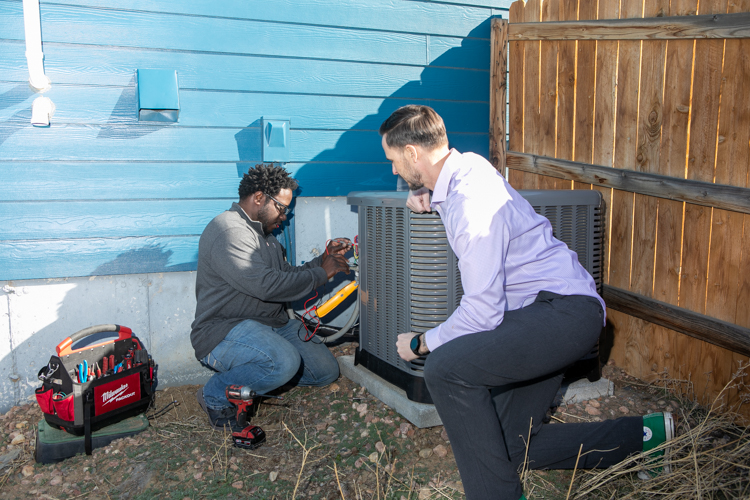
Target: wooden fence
<point>648,102</point>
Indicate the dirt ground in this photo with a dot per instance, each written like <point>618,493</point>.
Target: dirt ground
<point>325,443</point>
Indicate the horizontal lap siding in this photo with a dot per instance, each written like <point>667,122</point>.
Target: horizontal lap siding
<point>100,193</point>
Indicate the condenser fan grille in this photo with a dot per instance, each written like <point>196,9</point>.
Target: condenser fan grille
<point>386,245</point>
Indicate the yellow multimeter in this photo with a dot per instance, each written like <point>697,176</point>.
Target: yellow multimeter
<point>334,301</point>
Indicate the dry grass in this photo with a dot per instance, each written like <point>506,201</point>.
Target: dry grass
<point>709,458</point>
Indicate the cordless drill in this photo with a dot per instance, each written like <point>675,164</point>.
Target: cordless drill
<point>251,436</point>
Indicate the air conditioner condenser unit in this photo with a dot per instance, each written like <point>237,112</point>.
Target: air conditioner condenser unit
<point>410,281</point>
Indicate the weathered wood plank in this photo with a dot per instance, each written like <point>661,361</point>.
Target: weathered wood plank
<point>743,294</point>
<point>116,180</point>
<point>385,15</point>
<point>653,28</point>
<point>707,194</point>
<point>672,159</point>
<point>516,106</point>
<point>604,115</point>
<point>37,181</point>
<point>174,144</point>
<point>711,365</point>
<point>531,72</point>
<point>626,121</point>
<point>111,106</point>
<point>108,219</point>
<point>121,28</point>
<point>742,316</point>
<point>22,260</point>
<point>458,52</point>
<point>645,208</point>
<point>701,162</point>
<point>627,343</point>
<point>585,83</point>
<point>71,64</point>
<point>566,80</point>
<point>674,144</point>
<point>700,326</point>
<point>498,95</point>
<point>546,140</point>
<point>732,159</point>
<point>68,24</point>
<point>647,153</point>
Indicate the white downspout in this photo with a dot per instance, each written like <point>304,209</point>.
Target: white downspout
<point>34,56</point>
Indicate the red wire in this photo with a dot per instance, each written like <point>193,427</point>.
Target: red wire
<point>310,311</point>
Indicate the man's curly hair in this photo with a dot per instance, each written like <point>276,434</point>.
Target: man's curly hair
<point>270,179</point>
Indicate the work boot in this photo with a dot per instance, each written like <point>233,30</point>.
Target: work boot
<point>219,419</point>
<point>657,429</point>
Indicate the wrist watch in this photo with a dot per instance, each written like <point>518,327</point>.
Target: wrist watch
<point>416,343</point>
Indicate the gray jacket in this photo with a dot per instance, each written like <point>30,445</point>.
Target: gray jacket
<point>242,275</point>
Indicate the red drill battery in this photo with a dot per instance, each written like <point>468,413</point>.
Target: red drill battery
<point>250,437</point>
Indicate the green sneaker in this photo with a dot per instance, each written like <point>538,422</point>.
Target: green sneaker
<point>657,429</point>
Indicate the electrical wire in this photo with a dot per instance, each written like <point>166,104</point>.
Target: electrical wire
<point>312,311</point>
<point>310,335</point>
<point>164,410</point>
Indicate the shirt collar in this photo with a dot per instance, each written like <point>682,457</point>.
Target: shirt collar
<point>440,193</point>
<point>256,225</point>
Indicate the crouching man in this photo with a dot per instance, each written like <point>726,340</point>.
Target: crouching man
<point>529,310</point>
<point>241,329</point>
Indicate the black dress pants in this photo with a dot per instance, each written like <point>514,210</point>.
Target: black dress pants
<point>488,387</point>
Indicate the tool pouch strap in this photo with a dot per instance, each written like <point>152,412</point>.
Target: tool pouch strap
<point>87,425</point>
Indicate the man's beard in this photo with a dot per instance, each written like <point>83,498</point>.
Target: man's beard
<point>267,221</point>
<point>415,182</point>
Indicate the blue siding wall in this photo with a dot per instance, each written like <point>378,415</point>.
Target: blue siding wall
<point>100,193</point>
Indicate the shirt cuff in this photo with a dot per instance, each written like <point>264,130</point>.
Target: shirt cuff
<point>431,339</point>
<point>320,275</point>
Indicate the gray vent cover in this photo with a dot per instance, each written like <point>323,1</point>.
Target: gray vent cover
<point>409,277</point>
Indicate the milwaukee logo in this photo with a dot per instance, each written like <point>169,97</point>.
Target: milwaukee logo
<point>119,394</point>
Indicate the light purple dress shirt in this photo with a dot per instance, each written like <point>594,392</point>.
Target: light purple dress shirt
<point>506,251</point>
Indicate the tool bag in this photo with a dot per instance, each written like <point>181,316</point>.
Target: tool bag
<point>91,387</point>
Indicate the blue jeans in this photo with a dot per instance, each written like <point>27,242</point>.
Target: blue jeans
<point>266,358</point>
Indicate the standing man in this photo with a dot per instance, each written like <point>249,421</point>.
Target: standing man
<point>241,329</point>
<point>529,310</point>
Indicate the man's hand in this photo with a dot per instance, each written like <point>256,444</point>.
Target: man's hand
<point>403,346</point>
<point>339,246</point>
<point>334,263</point>
<point>419,200</point>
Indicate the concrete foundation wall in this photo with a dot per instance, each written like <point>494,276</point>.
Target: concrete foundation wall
<point>36,315</point>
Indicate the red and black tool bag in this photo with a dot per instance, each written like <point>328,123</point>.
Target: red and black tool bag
<point>81,405</point>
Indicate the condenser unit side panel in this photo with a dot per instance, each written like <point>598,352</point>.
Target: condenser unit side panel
<point>383,295</point>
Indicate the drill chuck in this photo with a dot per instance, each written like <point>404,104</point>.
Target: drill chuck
<point>241,392</point>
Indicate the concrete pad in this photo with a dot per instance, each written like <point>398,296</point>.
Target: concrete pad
<point>424,415</point>
<point>583,390</point>
<point>419,414</point>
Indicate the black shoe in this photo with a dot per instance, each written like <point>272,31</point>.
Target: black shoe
<point>220,419</point>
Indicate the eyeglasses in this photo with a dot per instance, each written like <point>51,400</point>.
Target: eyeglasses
<point>283,209</point>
